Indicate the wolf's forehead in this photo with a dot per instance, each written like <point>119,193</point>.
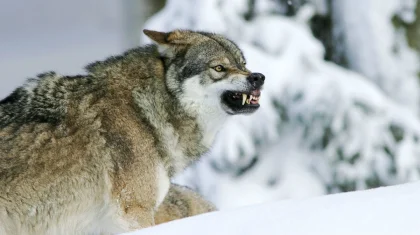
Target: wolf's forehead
<point>227,46</point>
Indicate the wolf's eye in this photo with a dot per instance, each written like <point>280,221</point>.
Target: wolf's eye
<point>219,68</point>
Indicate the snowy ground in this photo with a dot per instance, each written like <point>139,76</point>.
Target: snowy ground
<point>386,211</point>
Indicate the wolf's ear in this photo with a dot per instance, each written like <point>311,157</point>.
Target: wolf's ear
<point>166,41</point>
<point>158,37</point>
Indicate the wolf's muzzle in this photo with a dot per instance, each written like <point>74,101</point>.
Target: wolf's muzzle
<point>256,79</point>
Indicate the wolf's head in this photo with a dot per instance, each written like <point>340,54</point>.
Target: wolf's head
<point>207,70</point>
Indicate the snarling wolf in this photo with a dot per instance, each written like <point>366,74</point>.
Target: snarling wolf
<point>94,153</point>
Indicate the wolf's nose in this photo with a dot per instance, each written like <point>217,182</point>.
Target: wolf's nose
<point>256,79</point>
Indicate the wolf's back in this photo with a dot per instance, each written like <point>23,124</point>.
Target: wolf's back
<point>39,100</point>
<point>43,99</point>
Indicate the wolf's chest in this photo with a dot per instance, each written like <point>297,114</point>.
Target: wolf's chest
<point>176,148</point>
<point>185,145</point>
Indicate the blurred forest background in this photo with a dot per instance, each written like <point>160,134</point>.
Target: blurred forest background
<point>340,109</point>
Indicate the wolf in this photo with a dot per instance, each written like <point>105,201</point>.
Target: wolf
<point>95,153</point>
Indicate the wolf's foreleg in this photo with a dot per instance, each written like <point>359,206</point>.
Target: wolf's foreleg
<point>181,202</point>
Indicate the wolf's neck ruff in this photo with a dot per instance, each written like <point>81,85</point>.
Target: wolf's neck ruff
<point>96,152</point>
<point>179,130</point>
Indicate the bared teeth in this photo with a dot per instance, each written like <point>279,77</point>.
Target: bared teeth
<point>248,101</point>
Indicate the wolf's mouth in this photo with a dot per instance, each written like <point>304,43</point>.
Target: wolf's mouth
<point>247,98</point>
<point>242,102</point>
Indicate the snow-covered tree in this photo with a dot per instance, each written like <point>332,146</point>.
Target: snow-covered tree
<point>377,38</point>
<point>321,128</point>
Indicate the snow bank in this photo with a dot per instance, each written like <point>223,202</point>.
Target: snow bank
<point>386,211</point>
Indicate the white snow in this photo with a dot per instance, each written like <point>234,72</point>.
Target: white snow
<point>386,211</point>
